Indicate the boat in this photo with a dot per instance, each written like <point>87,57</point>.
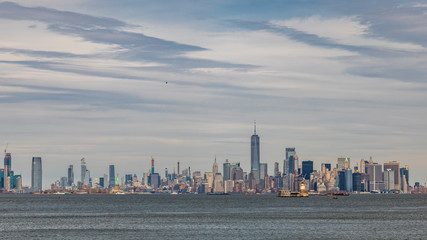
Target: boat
<point>287,193</point>
<point>218,193</point>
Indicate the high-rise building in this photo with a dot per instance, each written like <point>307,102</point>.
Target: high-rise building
<point>7,169</point>
<point>389,179</point>
<point>276,169</point>
<point>70,175</point>
<point>404,179</point>
<point>357,182</point>
<point>227,170</point>
<point>128,179</point>
<point>155,180</point>
<point>112,174</point>
<point>255,160</point>
<point>8,162</point>
<point>307,169</point>
<point>83,171</point>
<point>362,167</point>
<point>214,168</point>
<point>218,185</point>
<point>263,170</point>
<point>36,174</point>
<point>374,170</point>
<point>102,182</point>
<point>348,180</point>
<point>394,166</point>
<point>343,163</point>
<point>289,165</point>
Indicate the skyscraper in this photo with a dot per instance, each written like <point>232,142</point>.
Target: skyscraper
<point>276,169</point>
<point>83,171</point>
<point>389,179</point>
<point>70,175</point>
<point>227,170</point>
<point>263,170</point>
<point>343,163</point>
<point>7,170</point>
<point>374,170</point>
<point>307,169</point>
<point>394,166</point>
<point>289,165</point>
<point>111,176</point>
<point>255,154</point>
<point>404,179</point>
<point>36,174</point>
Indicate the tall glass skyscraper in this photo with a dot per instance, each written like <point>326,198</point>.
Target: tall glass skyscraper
<point>36,174</point>
<point>289,162</point>
<point>112,181</point>
<point>70,175</point>
<point>8,161</point>
<point>255,153</point>
<point>83,171</point>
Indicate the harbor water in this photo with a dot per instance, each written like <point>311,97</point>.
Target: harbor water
<point>372,216</point>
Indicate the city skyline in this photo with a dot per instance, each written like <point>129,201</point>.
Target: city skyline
<point>120,82</point>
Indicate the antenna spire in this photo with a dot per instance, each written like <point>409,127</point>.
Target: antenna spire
<point>255,127</point>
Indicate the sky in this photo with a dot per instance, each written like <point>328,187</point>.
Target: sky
<point>119,82</point>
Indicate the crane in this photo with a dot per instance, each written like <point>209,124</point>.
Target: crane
<point>6,147</point>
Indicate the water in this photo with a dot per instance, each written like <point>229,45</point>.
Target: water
<point>212,217</point>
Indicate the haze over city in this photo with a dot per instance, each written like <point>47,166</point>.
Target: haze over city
<point>119,82</point>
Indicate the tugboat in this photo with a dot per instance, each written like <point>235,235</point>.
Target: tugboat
<point>287,193</point>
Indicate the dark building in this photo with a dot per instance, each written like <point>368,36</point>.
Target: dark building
<point>101,182</point>
<point>70,175</point>
<point>255,168</point>
<point>341,180</point>
<point>154,180</point>
<point>128,179</point>
<point>112,179</point>
<point>307,169</point>
<point>328,166</point>
<point>357,182</point>
<point>36,174</point>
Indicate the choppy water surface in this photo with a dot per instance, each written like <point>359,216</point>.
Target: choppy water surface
<point>213,217</point>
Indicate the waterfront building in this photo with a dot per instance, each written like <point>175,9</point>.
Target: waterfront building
<point>218,186</point>
<point>36,174</point>
<point>341,181</point>
<point>210,178</point>
<point>112,174</point>
<point>227,170</point>
<point>348,180</point>
<point>307,169</point>
<point>357,182</point>
<point>374,170</point>
<point>389,179</point>
<point>404,179</point>
<point>394,166</point>
<point>228,186</point>
<point>255,154</point>
<point>70,172</point>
